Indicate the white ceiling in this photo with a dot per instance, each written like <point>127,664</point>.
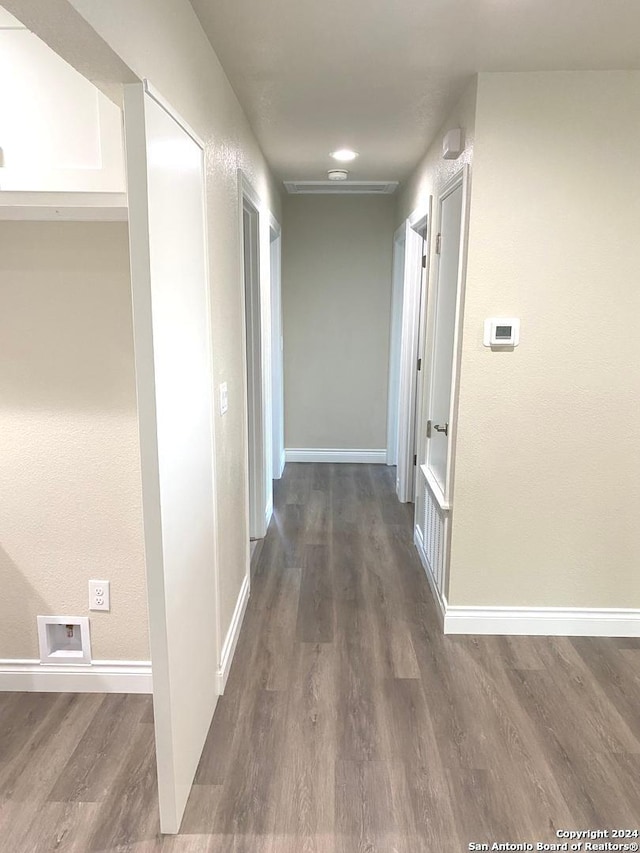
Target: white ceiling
<point>380,75</point>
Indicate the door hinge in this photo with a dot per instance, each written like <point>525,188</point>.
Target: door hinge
<point>438,243</point>
<point>419,364</point>
<point>424,262</point>
<point>428,429</point>
<point>415,459</point>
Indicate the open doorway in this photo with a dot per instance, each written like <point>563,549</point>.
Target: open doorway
<point>410,262</point>
<point>257,311</point>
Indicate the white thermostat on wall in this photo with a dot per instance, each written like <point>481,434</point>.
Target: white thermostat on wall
<point>501,332</point>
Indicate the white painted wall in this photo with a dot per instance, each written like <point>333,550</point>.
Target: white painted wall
<point>163,41</point>
<point>547,485</point>
<point>70,499</point>
<point>58,133</point>
<point>336,286</point>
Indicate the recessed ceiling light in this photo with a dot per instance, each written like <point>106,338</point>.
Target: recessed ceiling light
<point>344,155</point>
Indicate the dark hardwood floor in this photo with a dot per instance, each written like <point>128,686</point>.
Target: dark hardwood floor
<point>349,723</point>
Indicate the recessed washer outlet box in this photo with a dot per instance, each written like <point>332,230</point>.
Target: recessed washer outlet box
<point>64,640</point>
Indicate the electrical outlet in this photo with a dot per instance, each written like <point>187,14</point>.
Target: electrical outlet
<point>99,595</point>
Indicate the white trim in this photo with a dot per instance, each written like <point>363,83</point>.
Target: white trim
<point>277,348</point>
<point>257,362</point>
<point>233,633</point>
<point>340,188</point>
<point>543,621</point>
<point>415,247</point>
<point>101,676</point>
<point>161,101</point>
<point>63,207</point>
<point>530,621</point>
<point>435,488</point>
<point>395,344</point>
<point>313,454</point>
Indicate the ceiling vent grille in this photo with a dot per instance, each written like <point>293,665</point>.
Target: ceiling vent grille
<point>341,187</point>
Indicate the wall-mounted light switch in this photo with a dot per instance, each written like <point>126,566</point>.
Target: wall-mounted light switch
<point>224,398</point>
<point>99,595</point>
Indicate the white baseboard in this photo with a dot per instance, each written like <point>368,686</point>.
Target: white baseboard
<point>100,676</point>
<point>530,621</point>
<point>312,454</point>
<point>233,633</point>
<point>543,621</point>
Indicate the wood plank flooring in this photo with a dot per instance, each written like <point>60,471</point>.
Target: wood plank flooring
<point>349,723</point>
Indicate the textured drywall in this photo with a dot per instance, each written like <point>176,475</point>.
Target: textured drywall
<point>433,172</point>
<point>70,495</point>
<point>547,485</point>
<point>336,291</point>
<point>163,41</point>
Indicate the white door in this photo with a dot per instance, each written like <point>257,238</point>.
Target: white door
<point>169,272</point>
<point>443,343</point>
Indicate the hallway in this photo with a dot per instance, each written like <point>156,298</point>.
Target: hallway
<point>349,723</point>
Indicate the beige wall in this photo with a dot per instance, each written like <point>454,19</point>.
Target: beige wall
<point>547,487</point>
<point>70,470</point>
<point>432,173</point>
<point>163,41</point>
<point>336,290</point>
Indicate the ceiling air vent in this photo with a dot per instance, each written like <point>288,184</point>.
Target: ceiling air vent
<point>341,187</point>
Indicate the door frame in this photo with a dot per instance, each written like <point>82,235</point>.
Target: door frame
<point>424,370</point>
<point>257,367</point>
<point>460,179</point>
<point>395,343</point>
<point>413,286</point>
<point>277,346</point>
<point>172,790</point>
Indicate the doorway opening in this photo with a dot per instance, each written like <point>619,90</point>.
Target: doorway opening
<point>257,351</point>
<point>410,274</point>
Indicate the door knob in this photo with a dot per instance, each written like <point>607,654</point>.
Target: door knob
<point>444,429</point>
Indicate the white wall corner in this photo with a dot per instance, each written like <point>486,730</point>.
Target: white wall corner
<point>231,640</point>
<point>100,676</point>
<point>312,454</point>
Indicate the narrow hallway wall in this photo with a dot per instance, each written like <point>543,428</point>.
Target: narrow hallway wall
<point>336,285</point>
